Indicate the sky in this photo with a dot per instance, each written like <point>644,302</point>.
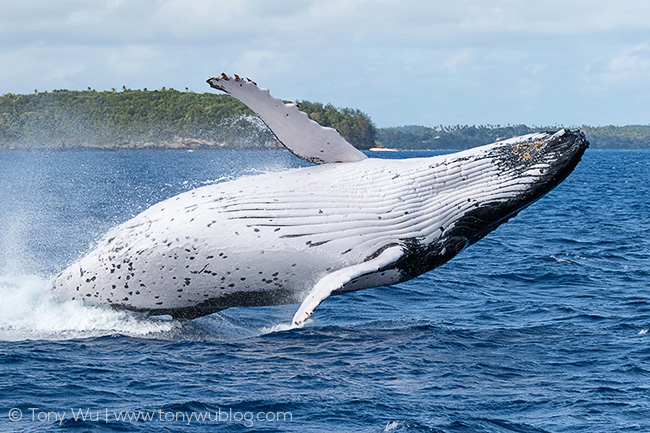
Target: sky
<point>402,62</point>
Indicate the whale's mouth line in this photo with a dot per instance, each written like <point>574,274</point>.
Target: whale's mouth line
<point>559,169</point>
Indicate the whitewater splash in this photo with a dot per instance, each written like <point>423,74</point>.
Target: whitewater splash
<point>30,312</point>
<point>38,233</point>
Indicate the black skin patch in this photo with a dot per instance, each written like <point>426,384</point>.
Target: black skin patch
<point>279,296</point>
<point>477,223</point>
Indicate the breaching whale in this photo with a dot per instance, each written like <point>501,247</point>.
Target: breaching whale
<point>348,223</point>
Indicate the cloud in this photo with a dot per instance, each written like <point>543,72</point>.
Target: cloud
<point>633,61</point>
<point>450,60</point>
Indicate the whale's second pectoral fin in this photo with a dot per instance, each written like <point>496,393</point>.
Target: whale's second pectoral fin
<point>336,280</point>
<point>296,131</point>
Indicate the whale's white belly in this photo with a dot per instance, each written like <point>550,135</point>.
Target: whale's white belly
<point>276,234</point>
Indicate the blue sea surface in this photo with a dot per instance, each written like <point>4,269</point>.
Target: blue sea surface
<point>543,326</point>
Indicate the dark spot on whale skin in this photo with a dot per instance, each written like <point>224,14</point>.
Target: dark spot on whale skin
<point>125,298</point>
<point>159,303</point>
<point>300,235</point>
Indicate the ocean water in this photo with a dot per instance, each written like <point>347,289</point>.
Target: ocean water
<point>543,326</point>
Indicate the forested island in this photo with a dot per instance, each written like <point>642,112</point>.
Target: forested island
<point>172,119</point>
<point>466,136</point>
<point>153,119</point>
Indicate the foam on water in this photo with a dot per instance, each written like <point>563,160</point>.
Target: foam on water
<point>283,327</point>
<point>29,311</point>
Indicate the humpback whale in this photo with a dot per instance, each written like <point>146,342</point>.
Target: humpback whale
<point>348,222</point>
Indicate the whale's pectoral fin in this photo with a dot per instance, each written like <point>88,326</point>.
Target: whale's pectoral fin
<point>336,280</point>
<point>296,131</point>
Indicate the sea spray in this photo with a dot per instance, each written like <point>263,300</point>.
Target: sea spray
<point>29,311</point>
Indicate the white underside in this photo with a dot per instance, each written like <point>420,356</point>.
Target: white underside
<point>285,231</point>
